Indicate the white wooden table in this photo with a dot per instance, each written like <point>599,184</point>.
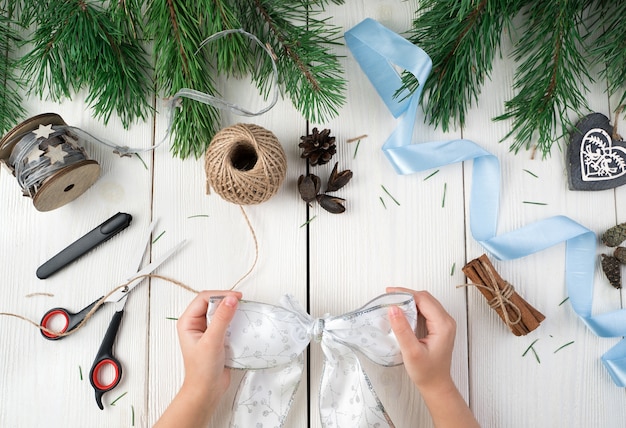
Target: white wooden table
<point>335,264</point>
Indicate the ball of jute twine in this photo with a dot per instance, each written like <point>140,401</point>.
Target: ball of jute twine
<point>245,164</point>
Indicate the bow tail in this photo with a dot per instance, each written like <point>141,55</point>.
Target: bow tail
<point>265,396</point>
<point>347,397</point>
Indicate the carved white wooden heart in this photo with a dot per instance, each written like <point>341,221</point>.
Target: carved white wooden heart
<point>594,160</point>
<point>599,159</point>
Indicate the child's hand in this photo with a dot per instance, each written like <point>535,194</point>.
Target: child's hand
<point>203,347</point>
<point>427,360</point>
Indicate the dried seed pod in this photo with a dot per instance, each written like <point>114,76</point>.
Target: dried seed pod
<point>620,254</point>
<point>615,235</point>
<point>309,186</point>
<point>337,180</point>
<point>331,204</point>
<point>613,270</point>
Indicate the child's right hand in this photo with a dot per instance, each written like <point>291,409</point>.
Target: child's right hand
<point>428,359</point>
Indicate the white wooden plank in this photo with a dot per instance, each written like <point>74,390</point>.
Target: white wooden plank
<point>221,249</point>
<point>355,255</point>
<point>571,387</point>
<point>41,384</point>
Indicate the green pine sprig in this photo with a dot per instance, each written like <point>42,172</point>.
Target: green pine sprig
<point>554,53</point>
<point>232,54</point>
<point>177,30</point>
<point>79,44</point>
<point>11,109</point>
<point>462,39</point>
<point>124,86</point>
<point>309,71</point>
<point>551,76</point>
<point>97,45</point>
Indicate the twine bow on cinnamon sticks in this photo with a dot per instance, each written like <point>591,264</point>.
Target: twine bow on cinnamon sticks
<point>517,313</point>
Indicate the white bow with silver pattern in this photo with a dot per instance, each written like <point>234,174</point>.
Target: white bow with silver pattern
<point>268,341</point>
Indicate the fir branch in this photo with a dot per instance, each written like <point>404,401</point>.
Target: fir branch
<point>10,107</point>
<point>95,44</point>
<point>122,83</point>
<point>110,63</point>
<point>309,72</point>
<point>128,15</point>
<point>323,3</point>
<point>551,75</point>
<point>45,66</point>
<point>176,30</point>
<point>462,39</point>
<point>232,53</point>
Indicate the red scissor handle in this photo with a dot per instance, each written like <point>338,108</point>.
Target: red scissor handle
<point>95,374</point>
<point>72,320</point>
<point>105,358</point>
<point>48,316</point>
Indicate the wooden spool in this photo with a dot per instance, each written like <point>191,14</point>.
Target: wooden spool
<point>64,185</point>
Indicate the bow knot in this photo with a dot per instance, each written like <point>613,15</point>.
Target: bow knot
<point>317,329</point>
<point>269,341</point>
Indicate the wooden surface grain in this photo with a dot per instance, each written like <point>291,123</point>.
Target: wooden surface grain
<point>333,264</point>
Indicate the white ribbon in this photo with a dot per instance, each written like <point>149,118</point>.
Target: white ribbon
<point>269,342</point>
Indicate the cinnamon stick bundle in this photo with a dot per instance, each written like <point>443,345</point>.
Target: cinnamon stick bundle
<point>516,312</point>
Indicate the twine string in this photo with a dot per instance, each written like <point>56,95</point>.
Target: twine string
<point>256,249</point>
<point>99,303</point>
<point>501,297</point>
<point>245,164</point>
<point>103,299</point>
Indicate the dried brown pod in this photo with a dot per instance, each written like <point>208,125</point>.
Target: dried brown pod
<point>613,270</point>
<point>318,147</point>
<point>309,186</point>
<point>338,179</point>
<point>331,204</point>
<point>620,254</point>
<point>615,235</point>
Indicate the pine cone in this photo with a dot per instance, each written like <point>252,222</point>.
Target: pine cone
<point>615,235</point>
<point>318,147</point>
<point>613,270</point>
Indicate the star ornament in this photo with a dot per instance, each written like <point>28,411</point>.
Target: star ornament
<point>56,154</point>
<point>34,155</point>
<point>43,131</point>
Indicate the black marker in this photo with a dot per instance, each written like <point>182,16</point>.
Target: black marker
<point>100,234</point>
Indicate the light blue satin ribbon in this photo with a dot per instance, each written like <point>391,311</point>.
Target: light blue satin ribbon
<point>376,48</point>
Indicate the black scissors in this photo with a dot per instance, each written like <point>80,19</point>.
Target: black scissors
<point>105,356</point>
